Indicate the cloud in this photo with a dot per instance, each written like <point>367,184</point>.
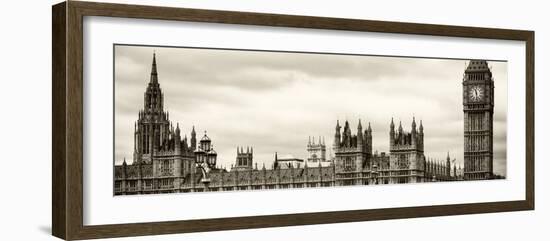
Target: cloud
<point>273,101</point>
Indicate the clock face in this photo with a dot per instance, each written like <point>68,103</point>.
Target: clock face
<point>476,93</point>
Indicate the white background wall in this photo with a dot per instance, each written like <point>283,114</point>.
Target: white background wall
<point>25,119</point>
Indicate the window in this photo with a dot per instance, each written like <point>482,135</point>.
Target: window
<point>166,183</point>
<point>166,167</point>
<point>348,164</point>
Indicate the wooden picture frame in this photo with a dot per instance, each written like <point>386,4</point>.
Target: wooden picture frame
<point>67,120</point>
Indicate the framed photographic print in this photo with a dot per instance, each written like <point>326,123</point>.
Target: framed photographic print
<point>171,120</point>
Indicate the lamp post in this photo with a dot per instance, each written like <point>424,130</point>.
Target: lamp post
<point>205,159</point>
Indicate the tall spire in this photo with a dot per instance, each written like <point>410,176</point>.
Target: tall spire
<point>154,77</point>
<point>336,142</point>
<point>193,139</point>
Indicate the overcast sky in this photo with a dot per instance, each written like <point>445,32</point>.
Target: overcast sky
<point>273,101</point>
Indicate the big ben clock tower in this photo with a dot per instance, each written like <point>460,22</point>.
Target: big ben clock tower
<point>478,102</point>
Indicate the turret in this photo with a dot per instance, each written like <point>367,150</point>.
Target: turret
<point>369,130</point>
<point>193,139</point>
<point>413,132</point>
<point>448,165</point>
<point>177,129</point>
<point>413,126</point>
<point>346,137</point>
<point>368,138</point>
<point>337,137</point>
<point>177,139</point>
<point>392,133</point>
<point>359,136</point>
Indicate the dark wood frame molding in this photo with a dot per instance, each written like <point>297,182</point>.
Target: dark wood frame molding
<point>67,120</point>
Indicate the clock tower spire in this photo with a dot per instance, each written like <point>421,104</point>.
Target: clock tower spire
<point>478,104</point>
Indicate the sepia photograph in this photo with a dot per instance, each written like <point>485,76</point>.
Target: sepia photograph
<point>202,120</point>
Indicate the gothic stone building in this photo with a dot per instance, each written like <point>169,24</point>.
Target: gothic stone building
<point>164,162</point>
<point>478,103</point>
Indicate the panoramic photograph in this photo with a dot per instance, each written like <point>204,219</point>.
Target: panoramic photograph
<point>204,120</point>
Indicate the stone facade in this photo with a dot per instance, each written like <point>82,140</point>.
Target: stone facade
<point>164,162</point>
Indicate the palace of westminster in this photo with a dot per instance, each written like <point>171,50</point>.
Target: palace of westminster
<point>164,162</point>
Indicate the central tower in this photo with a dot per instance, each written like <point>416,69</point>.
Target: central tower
<point>478,103</point>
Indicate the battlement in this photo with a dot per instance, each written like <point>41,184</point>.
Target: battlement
<point>401,140</point>
<point>244,158</point>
